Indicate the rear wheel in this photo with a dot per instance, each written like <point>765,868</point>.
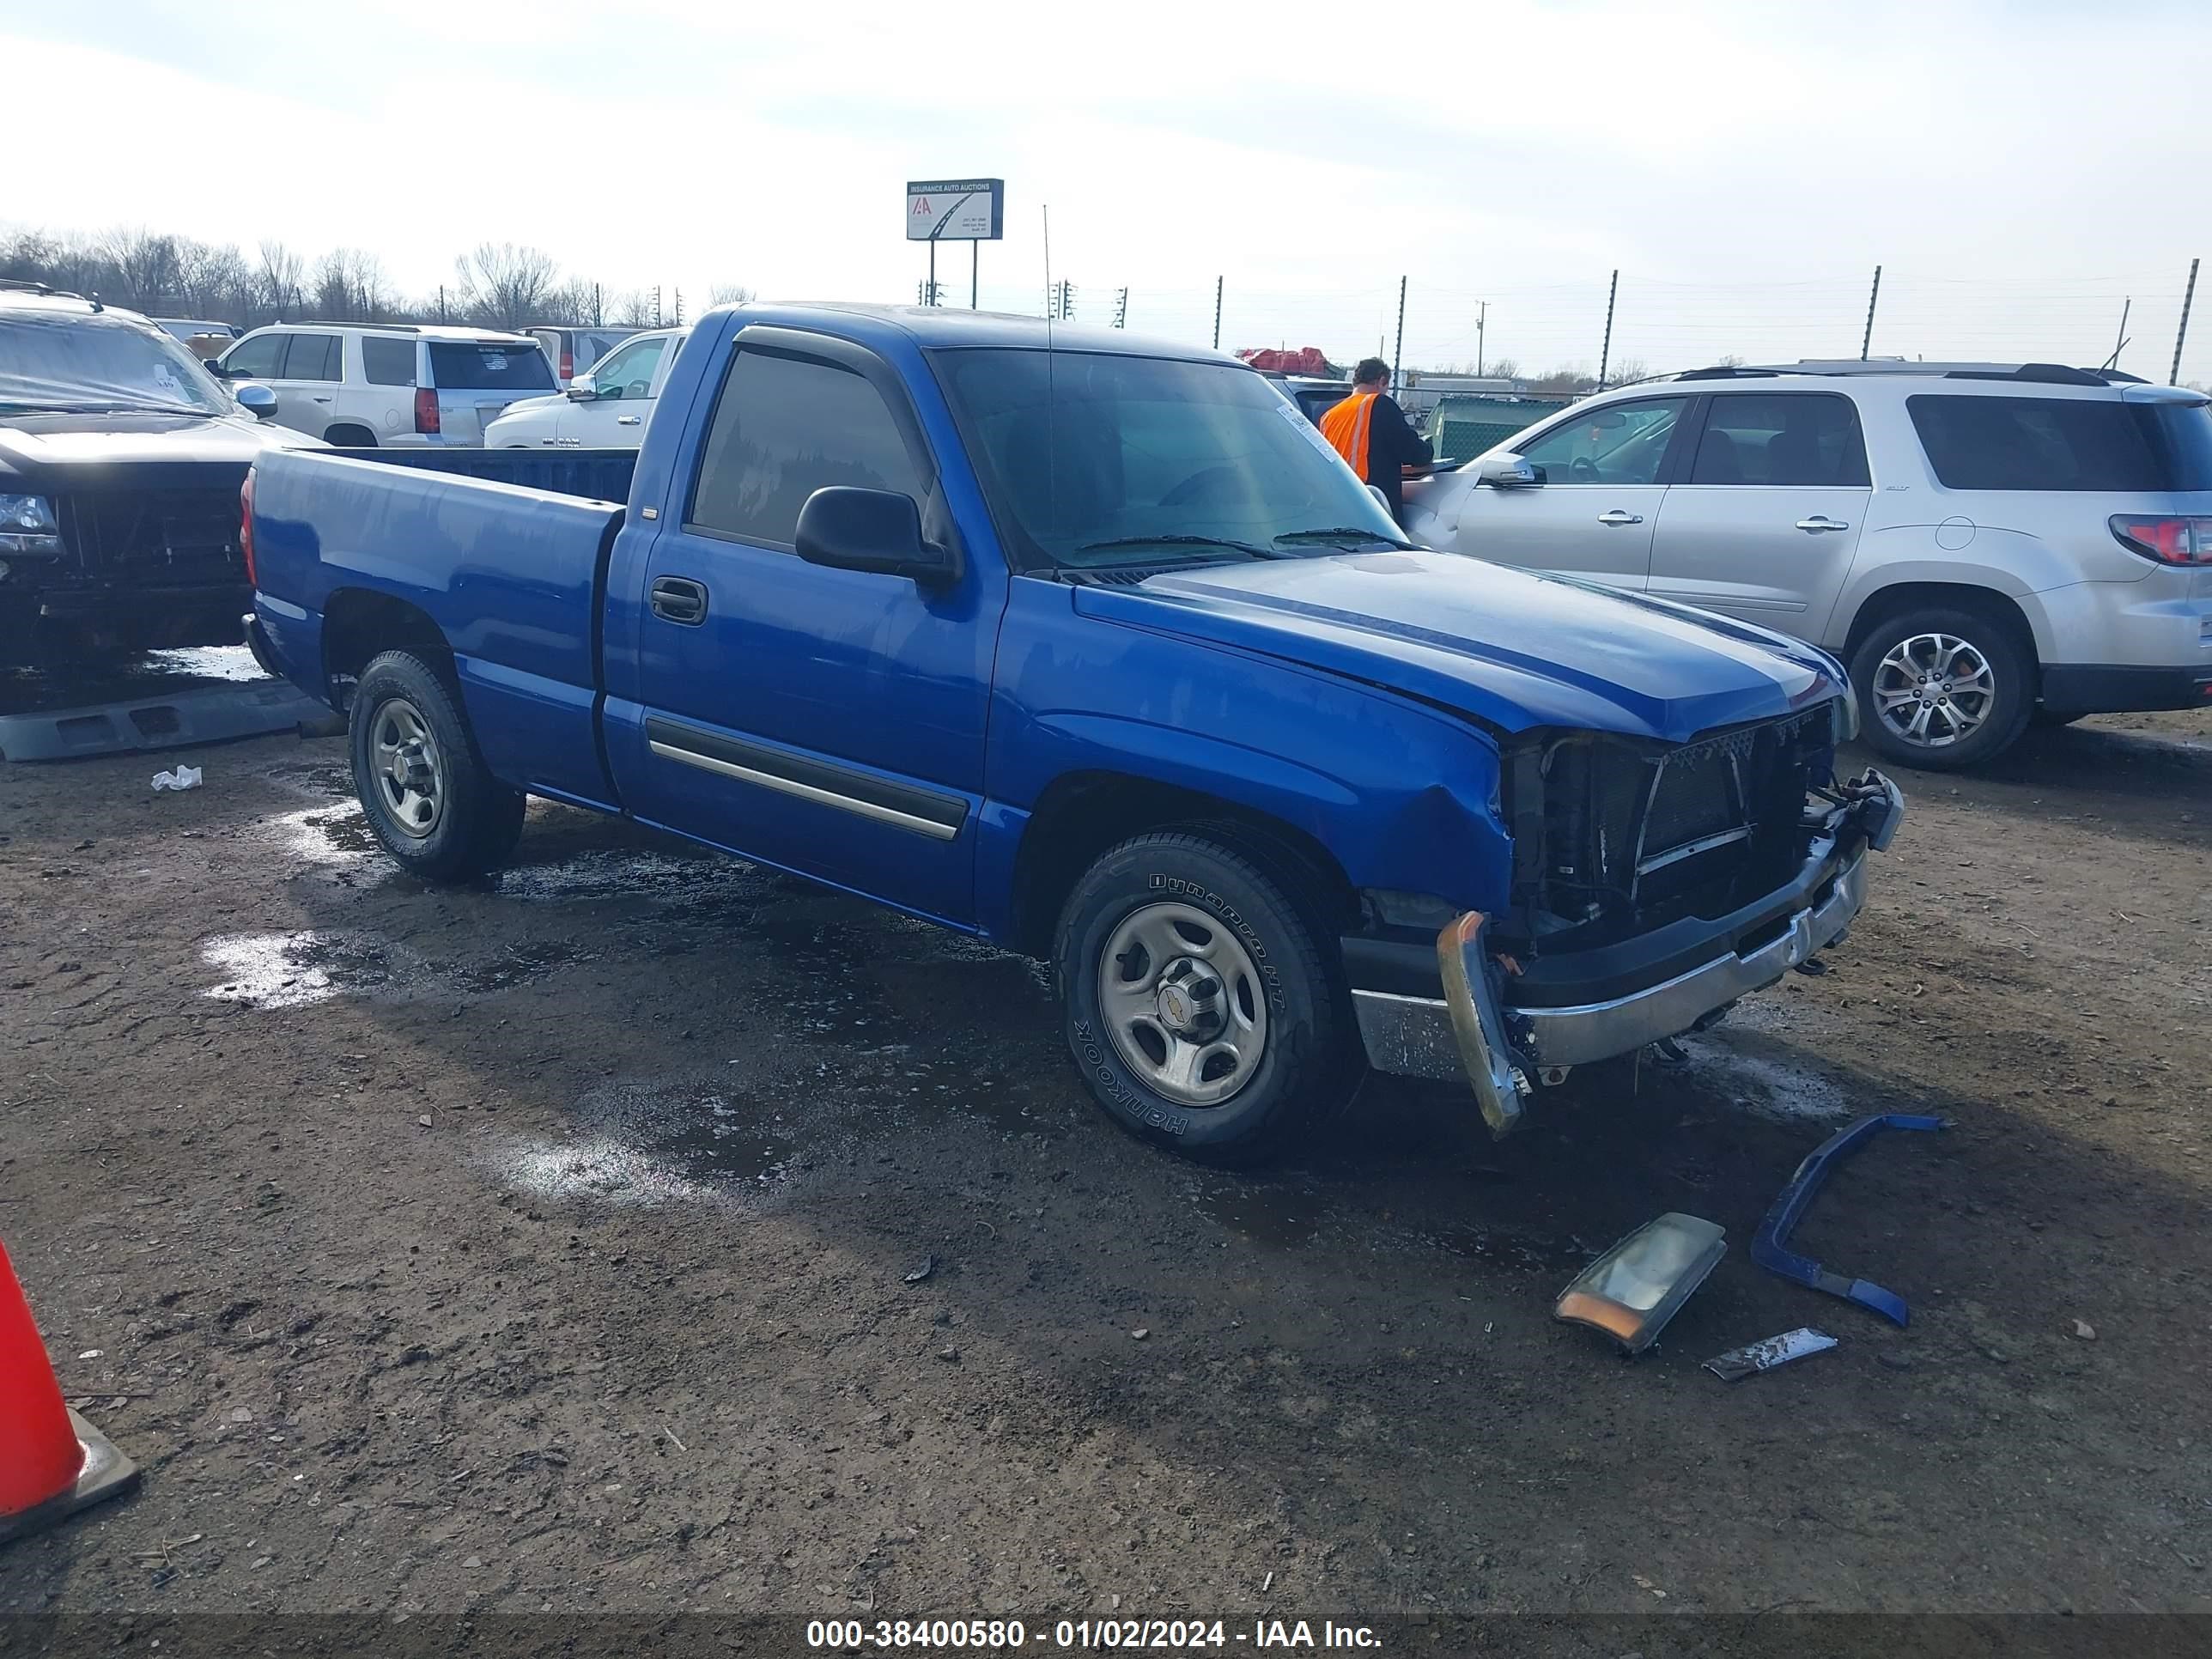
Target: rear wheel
<point>1942,689</point>
<point>429,798</point>
<point>1198,1003</point>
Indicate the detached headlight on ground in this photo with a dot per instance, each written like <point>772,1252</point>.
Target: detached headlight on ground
<point>1633,1290</point>
<point>28,525</point>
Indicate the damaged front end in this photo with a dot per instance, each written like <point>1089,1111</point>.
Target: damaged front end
<point>1653,885</point>
<point>128,568</point>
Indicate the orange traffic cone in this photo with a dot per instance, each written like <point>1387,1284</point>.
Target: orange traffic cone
<point>52,1462</point>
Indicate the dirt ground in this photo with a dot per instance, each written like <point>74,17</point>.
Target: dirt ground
<point>647,1230</point>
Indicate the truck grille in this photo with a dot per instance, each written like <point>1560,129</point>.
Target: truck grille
<point>157,538</point>
<point>1627,826</point>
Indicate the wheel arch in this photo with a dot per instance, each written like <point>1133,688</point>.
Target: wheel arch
<point>359,624</point>
<point>351,435</point>
<point>1898,599</point>
<point>1082,814</point>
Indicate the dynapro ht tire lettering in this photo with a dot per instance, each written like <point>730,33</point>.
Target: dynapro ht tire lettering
<point>429,799</point>
<point>1200,1008</point>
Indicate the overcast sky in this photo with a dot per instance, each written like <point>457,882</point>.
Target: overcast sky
<point>2019,169</point>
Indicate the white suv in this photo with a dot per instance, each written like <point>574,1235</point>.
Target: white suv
<point>365,383</point>
<point>1982,545</point>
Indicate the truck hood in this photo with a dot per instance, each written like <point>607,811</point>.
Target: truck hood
<point>1510,648</point>
<point>59,450</point>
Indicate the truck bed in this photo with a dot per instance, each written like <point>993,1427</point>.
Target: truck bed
<point>502,550</point>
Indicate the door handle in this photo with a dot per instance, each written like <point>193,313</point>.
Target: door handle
<point>1619,517</point>
<point>678,599</point>
<point>1819,522</point>
<point>626,420</point>
<point>322,400</point>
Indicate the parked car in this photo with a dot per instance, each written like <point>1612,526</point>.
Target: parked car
<point>1088,646</point>
<point>606,407</point>
<point>367,385</point>
<point>121,462</point>
<point>566,349</point>
<point>1984,544</point>
<point>1314,399</point>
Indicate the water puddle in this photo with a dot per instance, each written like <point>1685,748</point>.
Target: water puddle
<point>207,662</point>
<point>333,838</point>
<point>292,970</point>
<point>609,873</point>
<point>641,1145</point>
<point>1275,1217</point>
<point>1787,1092</point>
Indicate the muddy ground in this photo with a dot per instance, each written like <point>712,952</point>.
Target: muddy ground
<point>649,1231</point>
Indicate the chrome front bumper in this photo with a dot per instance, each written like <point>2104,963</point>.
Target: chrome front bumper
<point>1467,1034</point>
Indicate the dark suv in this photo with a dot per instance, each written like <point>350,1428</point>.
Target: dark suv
<point>121,462</point>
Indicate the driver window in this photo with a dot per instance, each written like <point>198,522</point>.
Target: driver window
<point>628,371</point>
<point>1616,444</point>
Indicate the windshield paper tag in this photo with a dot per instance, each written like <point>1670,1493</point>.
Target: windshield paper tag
<point>1291,413</point>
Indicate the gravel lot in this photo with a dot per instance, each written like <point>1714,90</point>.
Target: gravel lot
<point>563,1244</point>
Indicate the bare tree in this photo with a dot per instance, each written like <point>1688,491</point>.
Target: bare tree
<point>145,265</point>
<point>214,281</point>
<point>280,278</point>
<point>350,286</point>
<point>504,286</point>
<point>636,309</point>
<point>731,294</point>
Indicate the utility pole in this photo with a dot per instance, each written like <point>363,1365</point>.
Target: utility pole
<point>1866,340</point>
<point>1398,356</point>
<point>679,307</point>
<point>1062,299</point>
<point>2173,375</point>
<point>1217,313</point>
<point>1481,320</point>
<point>656,305</point>
<point>1604,351</point>
<point>441,302</point>
<point>1122,308</point>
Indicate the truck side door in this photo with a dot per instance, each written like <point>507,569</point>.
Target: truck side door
<point>828,721</point>
<point>1766,523</point>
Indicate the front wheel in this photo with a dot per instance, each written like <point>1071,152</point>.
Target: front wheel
<point>429,798</point>
<point>1942,690</point>
<point>1198,1003</point>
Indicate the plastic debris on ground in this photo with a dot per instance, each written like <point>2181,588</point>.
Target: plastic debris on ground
<point>1769,1245</point>
<point>184,777</point>
<point>1739,1363</point>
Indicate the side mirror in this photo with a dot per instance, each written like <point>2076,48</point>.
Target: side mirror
<point>1505,471</point>
<point>583,388</point>
<point>257,401</point>
<point>873,530</point>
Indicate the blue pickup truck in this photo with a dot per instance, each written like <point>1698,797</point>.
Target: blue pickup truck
<point>1093,648</point>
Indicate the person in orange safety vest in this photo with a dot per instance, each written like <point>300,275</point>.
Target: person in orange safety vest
<point>1371,431</point>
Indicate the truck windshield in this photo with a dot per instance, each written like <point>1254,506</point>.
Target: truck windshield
<point>1094,460</point>
<point>90,362</point>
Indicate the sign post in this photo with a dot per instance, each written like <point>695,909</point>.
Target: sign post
<point>969,211</point>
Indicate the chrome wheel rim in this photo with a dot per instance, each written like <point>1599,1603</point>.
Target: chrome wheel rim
<point>1933,690</point>
<point>405,767</point>
<point>1182,1003</point>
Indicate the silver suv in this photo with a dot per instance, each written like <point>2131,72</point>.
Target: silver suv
<point>375,383</point>
<point>1982,545</point>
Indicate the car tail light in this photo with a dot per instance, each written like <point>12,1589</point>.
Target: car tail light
<point>2170,541</point>
<point>426,408</point>
<point>568,365</point>
<point>245,527</point>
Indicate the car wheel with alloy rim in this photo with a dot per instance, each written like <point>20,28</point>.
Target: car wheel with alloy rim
<point>1942,690</point>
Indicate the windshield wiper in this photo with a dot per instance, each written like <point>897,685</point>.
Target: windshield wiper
<point>1245,548</point>
<point>14,408</point>
<point>1338,532</point>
